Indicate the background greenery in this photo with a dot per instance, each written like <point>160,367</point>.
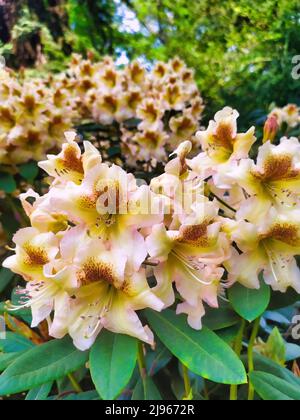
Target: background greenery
<point>242,53</point>
<point>241,50</point>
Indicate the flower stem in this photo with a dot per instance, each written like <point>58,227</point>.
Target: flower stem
<point>187,383</point>
<point>254,335</point>
<point>238,346</point>
<point>142,362</point>
<point>75,384</point>
<point>223,202</point>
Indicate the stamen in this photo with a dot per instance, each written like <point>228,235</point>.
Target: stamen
<point>192,266</point>
<point>278,264</point>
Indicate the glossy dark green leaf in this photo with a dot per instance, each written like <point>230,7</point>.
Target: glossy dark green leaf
<point>275,347</point>
<point>219,319</point>
<point>266,365</point>
<point>40,393</point>
<point>65,385</point>
<point>146,390</point>
<point>283,300</point>
<point>157,359</point>
<point>250,303</point>
<point>272,388</point>
<point>7,183</point>
<point>84,396</point>
<point>29,171</point>
<point>7,359</point>
<point>41,365</point>
<point>112,362</point>
<point>229,334</point>
<point>203,352</point>
<point>14,343</point>
<point>6,277</point>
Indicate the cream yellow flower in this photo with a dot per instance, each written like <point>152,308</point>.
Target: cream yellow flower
<point>269,245</point>
<point>221,143</point>
<point>191,257</point>
<point>273,181</point>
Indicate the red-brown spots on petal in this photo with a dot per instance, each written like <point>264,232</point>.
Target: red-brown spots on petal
<point>71,161</point>
<point>224,136</point>
<point>137,73</point>
<point>33,138</point>
<point>172,94</point>
<point>110,102</point>
<point>29,103</point>
<point>160,70</point>
<point>7,116</point>
<point>134,100</point>
<point>110,78</point>
<point>35,256</point>
<point>284,232</point>
<point>94,271</point>
<point>277,168</point>
<point>195,235</point>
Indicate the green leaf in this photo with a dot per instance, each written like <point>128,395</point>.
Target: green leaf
<point>224,317</point>
<point>8,359</point>
<point>40,393</point>
<point>283,300</point>
<point>250,303</point>
<point>29,171</point>
<point>203,352</point>
<point>112,362</point>
<point>6,277</point>
<point>157,359</point>
<point>229,334</point>
<point>9,222</point>
<point>65,385</point>
<point>275,347</point>
<point>7,183</point>
<point>15,343</point>
<point>40,365</point>
<point>146,390</point>
<point>272,388</point>
<point>84,396</point>
<point>266,365</point>
<point>114,151</point>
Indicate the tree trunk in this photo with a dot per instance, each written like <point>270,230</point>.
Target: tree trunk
<point>8,17</point>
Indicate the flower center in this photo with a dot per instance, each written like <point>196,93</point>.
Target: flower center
<point>195,235</point>
<point>284,232</point>
<point>35,256</point>
<point>94,271</point>
<point>277,168</point>
<point>224,136</point>
<point>70,161</point>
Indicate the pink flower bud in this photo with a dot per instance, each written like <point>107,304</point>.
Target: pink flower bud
<point>271,128</point>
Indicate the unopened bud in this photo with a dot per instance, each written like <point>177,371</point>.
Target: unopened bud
<point>271,129</point>
<point>183,150</point>
<point>91,55</point>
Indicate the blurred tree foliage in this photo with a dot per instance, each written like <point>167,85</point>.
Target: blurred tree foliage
<point>241,50</point>
<point>36,33</point>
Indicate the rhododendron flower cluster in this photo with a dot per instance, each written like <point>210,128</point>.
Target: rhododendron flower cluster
<point>290,115</point>
<point>99,236</point>
<point>71,256</point>
<point>164,103</point>
<point>33,118</point>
